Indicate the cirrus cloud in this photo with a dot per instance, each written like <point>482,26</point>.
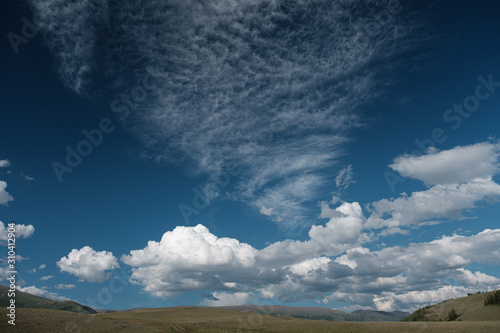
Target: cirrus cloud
<point>272,86</point>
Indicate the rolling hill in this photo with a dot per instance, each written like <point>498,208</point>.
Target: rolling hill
<point>470,308</point>
<point>47,316</point>
<point>25,300</point>
<point>318,313</point>
<point>211,320</point>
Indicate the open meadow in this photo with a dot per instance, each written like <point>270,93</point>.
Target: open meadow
<point>207,320</point>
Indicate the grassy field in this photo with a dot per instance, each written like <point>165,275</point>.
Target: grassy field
<point>205,320</point>
<point>470,308</point>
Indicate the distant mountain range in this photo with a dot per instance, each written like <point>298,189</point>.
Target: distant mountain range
<point>25,300</point>
<point>317,313</point>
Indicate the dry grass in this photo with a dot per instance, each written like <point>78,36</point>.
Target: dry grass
<point>57,321</point>
<point>207,320</point>
<point>470,308</point>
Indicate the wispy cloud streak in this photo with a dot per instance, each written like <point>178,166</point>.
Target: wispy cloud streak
<point>226,71</point>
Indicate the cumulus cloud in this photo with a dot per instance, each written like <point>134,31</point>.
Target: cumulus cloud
<point>440,202</point>
<point>88,264</point>
<point>4,163</point>
<point>304,268</point>
<point>228,299</point>
<point>42,293</point>
<point>186,259</point>
<point>5,197</point>
<point>344,229</point>
<point>459,179</point>
<point>398,285</point>
<point>22,231</point>
<point>476,278</point>
<point>341,232</point>
<point>192,258</point>
<point>272,86</point>
<point>457,165</point>
<point>47,277</point>
<point>388,301</point>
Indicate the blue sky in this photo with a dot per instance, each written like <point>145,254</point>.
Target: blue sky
<point>340,154</point>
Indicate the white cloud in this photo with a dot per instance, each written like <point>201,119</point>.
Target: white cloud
<point>5,197</point>
<point>42,266</point>
<point>344,259</point>
<point>345,177</point>
<point>443,201</point>
<point>341,232</point>
<point>187,258</point>
<point>228,299</point>
<point>22,231</point>
<point>305,267</point>
<point>266,211</point>
<point>65,286</point>
<point>88,265</point>
<point>477,278</point>
<point>59,18</point>
<point>26,177</point>
<point>389,301</point>
<point>258,101</point>
<point>287,198</point>
<point>3,273</point>
<point>457,165</point>
<point>4,163</point>
<point>345,229</point>
<point>42,293</point>
<point>47,277</point>
<point>459,179</point>
<point>398,285</point>
<point>192,258</point>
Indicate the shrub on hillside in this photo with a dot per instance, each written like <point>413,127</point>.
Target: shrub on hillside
<point>493,299</point>
<point>452,315</point>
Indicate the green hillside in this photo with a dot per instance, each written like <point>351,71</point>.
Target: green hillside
<point>470,308</point>
<point>25,300</point>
